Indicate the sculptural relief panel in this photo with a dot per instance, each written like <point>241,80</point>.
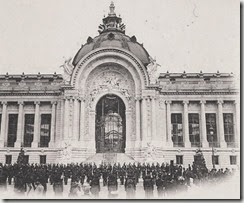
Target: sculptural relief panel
<point>107,79</point>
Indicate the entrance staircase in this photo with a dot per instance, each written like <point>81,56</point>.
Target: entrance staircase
<point>111,158</point>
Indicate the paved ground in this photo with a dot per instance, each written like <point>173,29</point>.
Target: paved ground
<point>229,189</point>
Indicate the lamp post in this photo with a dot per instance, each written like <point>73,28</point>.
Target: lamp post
<point>211,130</point>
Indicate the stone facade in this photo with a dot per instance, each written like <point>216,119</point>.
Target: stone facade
<point>150,101</point>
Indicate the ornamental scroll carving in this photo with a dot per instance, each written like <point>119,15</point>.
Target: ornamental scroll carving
<point>107,80</point>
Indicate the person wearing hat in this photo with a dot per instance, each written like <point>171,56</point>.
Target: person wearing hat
<point>148,185</point>
<point>160,183</point>
<point>112,184</point>
<point>74,189</point>
<point>130,186</point>
<point>95,184</point>
<point>3,178</point>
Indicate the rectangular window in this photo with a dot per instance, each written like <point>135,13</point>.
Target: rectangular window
<point>43,159</point>
<point>179,159</point>
<point>8,159</point>
<point>233,160</point>
<point>211,127</point>
<point>215,159</point>
<point>176,129</point>
<point>194,131</point>
<point>0,121</point>
<point>229,129</point>
<point>12,129</point>
<point>29,129</point>
<point>45,130</point>
<point>26,159</point>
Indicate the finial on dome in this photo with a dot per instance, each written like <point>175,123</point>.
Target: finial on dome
<point>111,8</point>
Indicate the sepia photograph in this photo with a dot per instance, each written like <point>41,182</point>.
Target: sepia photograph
<point>120,99</point>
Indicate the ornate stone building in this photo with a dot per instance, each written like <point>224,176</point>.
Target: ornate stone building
<point>110,100</point>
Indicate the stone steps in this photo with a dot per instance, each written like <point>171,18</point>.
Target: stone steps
<point>99,158</point>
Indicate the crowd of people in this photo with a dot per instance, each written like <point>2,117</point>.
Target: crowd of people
<point>88,178</point>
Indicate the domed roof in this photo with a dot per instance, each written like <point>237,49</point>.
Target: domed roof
<point>112,35</point>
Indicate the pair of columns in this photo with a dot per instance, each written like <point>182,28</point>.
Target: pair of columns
<point>20,124</point>
<point>203,133</point>
<point>149,120</point>
<point>74,125</point>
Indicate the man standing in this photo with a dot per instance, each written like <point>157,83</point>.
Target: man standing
<point>130,186</point>
<point>148,185</point>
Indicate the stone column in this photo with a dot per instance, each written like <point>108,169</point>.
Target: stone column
<point>3,124</point>
<point>203,139</point>
<point>19,138</point>
<point>149,120</point>
<point>237,124</point>
<point>186,125</point>
<point>70,117</point>
<point>154,121</point>
<point>36,138</point>
<point>144,122</point>
<point>82,122</point>
<point>221,124</point>
<point>162,126</point>
<point>66,119</point>
<point>128,130</point>
<point>138,123</point>
<point>53,126</point>
<point>169,137</point>
<point>91,144</point>
<point>76,125</point>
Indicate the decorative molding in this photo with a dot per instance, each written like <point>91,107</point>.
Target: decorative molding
<point>79,66</point>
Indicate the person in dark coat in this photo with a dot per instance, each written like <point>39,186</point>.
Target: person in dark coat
<point>130,186</point>
<point>148,185</point>
<point>160,183</point>
<point>95,185</point>
<point>3,178</point>
<point>112,184</point>
<point>57,178</point>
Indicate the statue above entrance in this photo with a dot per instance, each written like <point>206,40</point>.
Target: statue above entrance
<point>152,69</point>
<point>68,70</point>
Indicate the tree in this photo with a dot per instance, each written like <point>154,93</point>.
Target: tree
<point>21,157</point>
<point>199,165</point>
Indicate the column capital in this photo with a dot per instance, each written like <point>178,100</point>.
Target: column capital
<point>138,98</point>
<point>168,102</point>
<point>185,102</point>
<point>203,102</point>
<point>82,99</point>
<point>21,102</point>
<point>4,102</point>
<point>145,98</point>
<point>54,102</point>
<point>220,102</point>
<point>236,102</point>
<point>37,102</point>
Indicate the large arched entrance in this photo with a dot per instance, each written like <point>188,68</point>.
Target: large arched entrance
<point>110,125</point>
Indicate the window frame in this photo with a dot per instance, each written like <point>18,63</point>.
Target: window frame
<point>177,124</point>
<point>194,139</point>
<point>180,159</point>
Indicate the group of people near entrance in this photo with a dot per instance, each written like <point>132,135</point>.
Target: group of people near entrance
<point>88,178</point>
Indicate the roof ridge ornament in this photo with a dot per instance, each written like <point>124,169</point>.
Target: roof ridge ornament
<point>112,22</point>
<point>111,9</point>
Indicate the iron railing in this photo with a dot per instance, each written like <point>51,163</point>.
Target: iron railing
<point>196,144</point>
<point>214,144</point>
<point>178,144</point>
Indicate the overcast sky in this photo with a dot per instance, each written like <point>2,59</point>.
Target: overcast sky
<point>191,35</point>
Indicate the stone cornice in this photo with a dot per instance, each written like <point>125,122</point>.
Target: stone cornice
<point>198,93</point>
<point>31,94</point>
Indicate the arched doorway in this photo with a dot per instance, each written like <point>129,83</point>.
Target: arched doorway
<point>110,124</point>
